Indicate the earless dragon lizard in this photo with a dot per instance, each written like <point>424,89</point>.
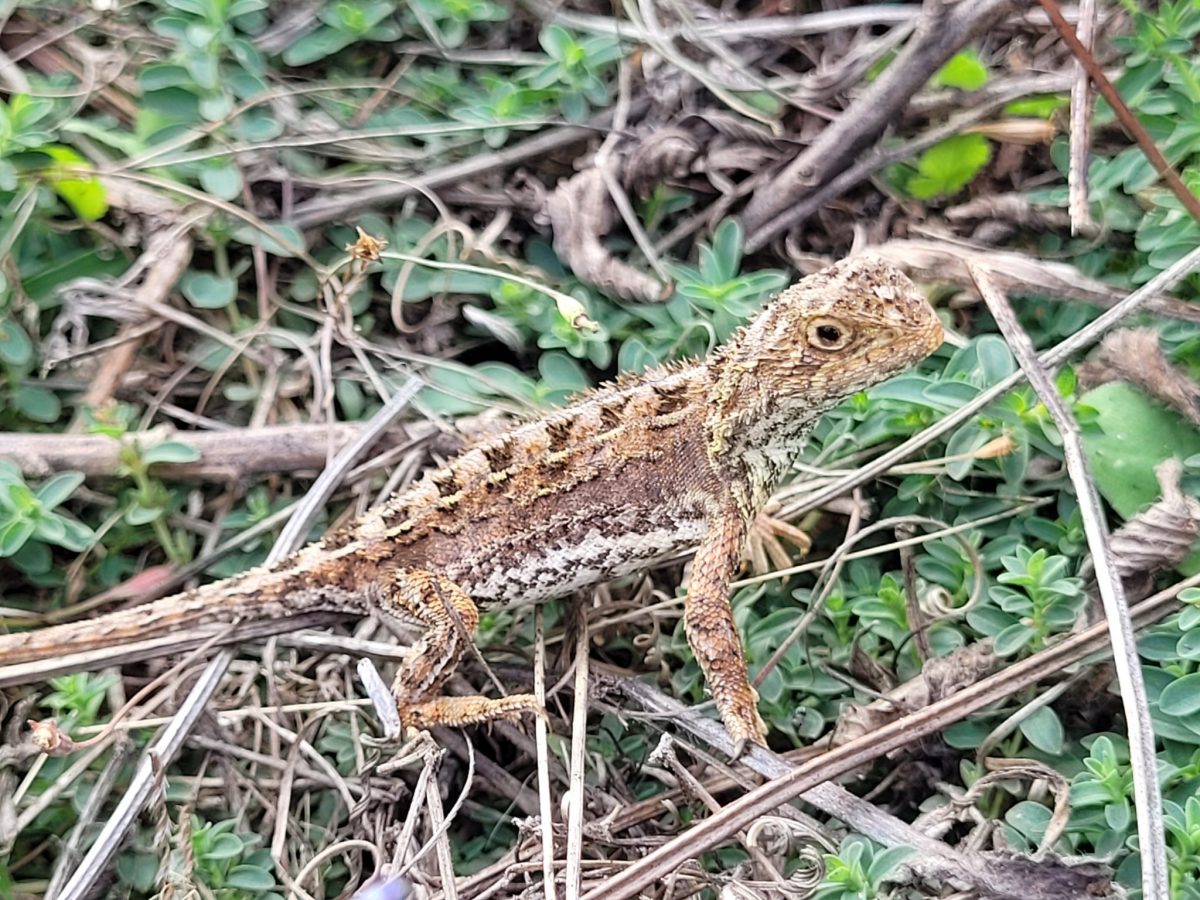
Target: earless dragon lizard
<point>677,457</point>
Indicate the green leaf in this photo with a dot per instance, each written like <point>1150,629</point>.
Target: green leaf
<point>249,878</point>
<point>57,488</point>
<point>15,346</point>
<point>317,45</point>
<point>556,41</point>
<point>965,70</point>
<point>1029,818</point>
<point>886,862</point>
<point>727,245</point>
<point>37,403</point>
<point>1182,696</point>
<point>137,514</point>
<point>1118,815</point>
<point>1133,435</point>
<point>225,846</point>
<point>76,536</point>
<point>1043,729</point>
<point>946,168</point>
<point>224,182</point>
<point>170,452</point>
<point>14,534</point>
<point>280,239</point>
<point>84,195</point>
<point>1042,107</point>
<point>204,290</point>
<point>1013,638</point>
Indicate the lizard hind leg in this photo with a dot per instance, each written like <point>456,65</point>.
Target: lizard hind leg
<point>450,616</point>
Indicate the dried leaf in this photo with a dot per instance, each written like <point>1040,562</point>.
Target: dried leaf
<point>580,213</point>
<point>1134,355</point>
<point>1159,538</point>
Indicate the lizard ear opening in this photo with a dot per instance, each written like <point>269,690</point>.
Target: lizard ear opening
<point>828,333</point>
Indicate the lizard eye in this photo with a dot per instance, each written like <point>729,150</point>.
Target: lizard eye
<point>828,334</point>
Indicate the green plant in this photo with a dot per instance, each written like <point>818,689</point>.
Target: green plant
<point>965,71</point>
<point>500,100</point>
<point>1035,598</point>
<point>450,20</point>
<point>222,864</point>
<point>575,67</point>
<point>150,500</point>
<point>30,516</point>
<point>342,24</point>
<point>1100,795</point>
<point>947,167</point>
<point>859,870</point>
<point>76,699</point>
<point>1182,822</point>
<point>1129,435</point>
<point>214,59</point>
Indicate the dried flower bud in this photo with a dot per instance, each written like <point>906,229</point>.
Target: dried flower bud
<point>366,248</point>
<point>1001,446</point>
<point>572,310</point>
<point>49,738</point>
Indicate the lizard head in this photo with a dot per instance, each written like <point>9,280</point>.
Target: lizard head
<point>828,336</point>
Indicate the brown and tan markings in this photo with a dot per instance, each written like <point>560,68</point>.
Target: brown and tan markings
<point>677,457</point>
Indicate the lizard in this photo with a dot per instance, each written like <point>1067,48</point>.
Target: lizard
<point>681,456</point>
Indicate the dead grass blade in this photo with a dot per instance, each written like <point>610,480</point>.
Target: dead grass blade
<point>1146,791</point>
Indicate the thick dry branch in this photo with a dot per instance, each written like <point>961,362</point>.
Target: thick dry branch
<point>224,455</point>
<point>942,31</point>
<point>989,875</point>
<point>1017,274</point>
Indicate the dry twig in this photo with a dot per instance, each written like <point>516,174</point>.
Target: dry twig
<point>1147,795</point>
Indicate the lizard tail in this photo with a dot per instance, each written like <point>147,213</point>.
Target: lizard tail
<point>175,623</point>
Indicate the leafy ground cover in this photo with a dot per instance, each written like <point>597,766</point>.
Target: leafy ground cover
<point>224,216</point>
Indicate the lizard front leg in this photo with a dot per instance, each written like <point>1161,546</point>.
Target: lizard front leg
<point>451,616</point>
<point>712,633</point>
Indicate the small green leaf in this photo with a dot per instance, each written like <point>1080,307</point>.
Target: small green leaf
<point>947,168</point>
<point>204,290</point>
<point>1043,107</point>
<point>14,534</point>
<point>57,488</point>
<point>1013,638</point>
<point>1043,729</point>
<point>249,878</point>
<point>84,195</point>
<point>225,846</point>
<point>965,70</point>
<point>1182,696</point>
<point>37,403</point>
<point>170,452</point>
<point>280,239</point>
<point>137,514</point>
<point>224,182</point>
<point>76,536</point>
<point>316,45</point>
<point>1029,818</point>
<point>15,346</point>
<point>1118,815</point>
<point>1133,435</point>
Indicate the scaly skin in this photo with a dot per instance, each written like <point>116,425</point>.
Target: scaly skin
<point>677,457</point>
